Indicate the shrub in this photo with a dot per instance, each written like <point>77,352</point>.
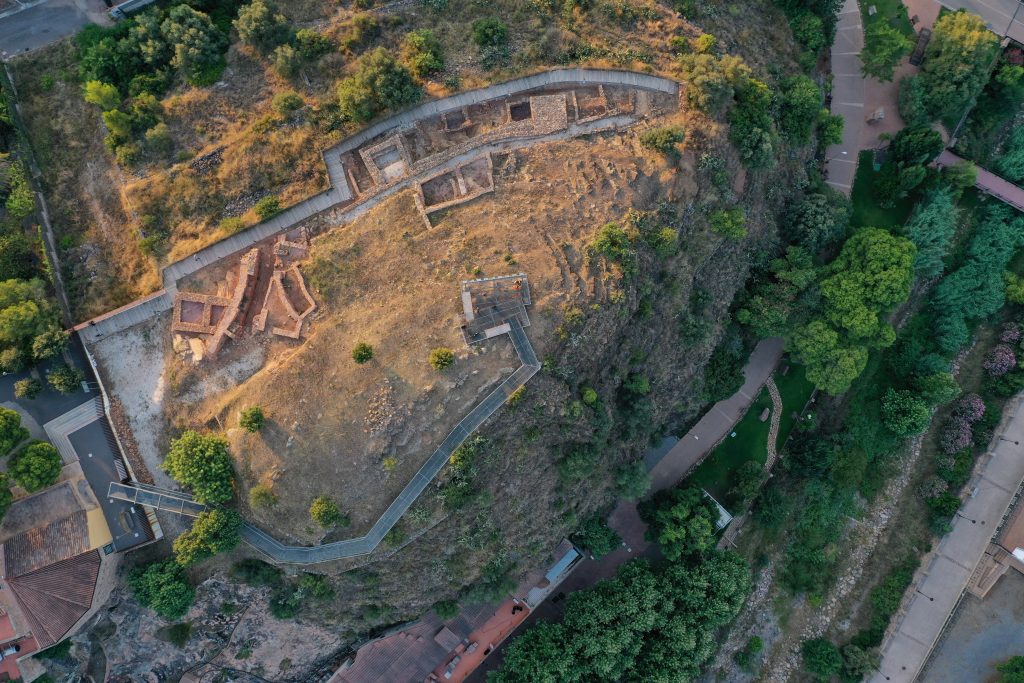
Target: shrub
<point>746,481</point>
<point>36,466</point>
<point>446,609</point>
<point>1012,670</point>
<point>312,44</point>
<point>589,396</point>
<point>911,102</point>
<point>202,463</point>
<point>800,108</point>
<point>489,32</point>
<point>103,95</point>
<point>421,51</point>
<point>11,431</point>
<point>262,496</point>
<point>731,223</point>
<point>830,128</point>
<point>232,225</point>
<point>664,139</point>
<point>286,61</point>
<point>362,353</point>
<point>159,140</point>
<point>821,657</point>
<point>65,379</point>
<point>259,24</point>
<point>256,573</point>
<point>27,388</point>
<point>213,531</point>
<point>163,587</point>
<point>999,361</point>
<point>326,513</point>
<point>682,520</point>
<point>316,585</point>
<point>596,536</point>
<point>267,207</point>
<point>441,358</point>
<point>252,419</point>
<point>884,47</point>
<point>817,220</point>
<point>904,413</point>
<point>632,480</point>
<point>286,102</point>
<point>705,44</point>
<point>614,244</point>
<point>379,84</point>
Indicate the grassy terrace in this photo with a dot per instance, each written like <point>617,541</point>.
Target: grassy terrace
<point>751,435</point>
<point>866,211</point>
<point>891,11</point>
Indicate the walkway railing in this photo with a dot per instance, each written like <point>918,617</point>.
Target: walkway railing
<point>182,503</point>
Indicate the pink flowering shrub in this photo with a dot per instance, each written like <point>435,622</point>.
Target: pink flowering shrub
<point>1000,360</point>
<point>1010,334</point>
<point>957,433</point>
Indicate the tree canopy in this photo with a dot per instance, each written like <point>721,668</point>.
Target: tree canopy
<point>202,463</point>
<point>930,228</point>
<point>163,587</point>
<point>213,531</point>
<point>884,47</point>
<point>36,466</point>
<point>380,83</point>
<point>11,431</point>
<point>682,520</point>
<point>956,63</point>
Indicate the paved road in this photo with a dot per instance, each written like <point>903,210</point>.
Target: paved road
<point>944,580</point>
<point>670,468</point>
<point>847,98</point>
<point>982,634</point>
<point>40,24</point>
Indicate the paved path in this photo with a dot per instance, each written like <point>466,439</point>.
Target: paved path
<point>773,428</point>
<point>176,501</point>
<point>34,24</point>
<point>937,592</point>
<point>716,423</point>
<point>847,98</point>
<point>989,183</point>
<point>339,192</point>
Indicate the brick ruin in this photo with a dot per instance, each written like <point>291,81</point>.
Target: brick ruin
<point>268,274</point>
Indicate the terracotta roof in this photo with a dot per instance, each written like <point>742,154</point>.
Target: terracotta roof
<point>411,654</point>
<point>45,545</point>
<point>49,505</point>
<point>55,597</point>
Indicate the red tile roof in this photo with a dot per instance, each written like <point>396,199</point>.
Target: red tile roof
<point>55,597</point>
<point>45,545</point>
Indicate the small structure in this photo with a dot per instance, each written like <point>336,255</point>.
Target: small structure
<point>489,303</point>
<point>1005,552</point>
<point>451,188</point>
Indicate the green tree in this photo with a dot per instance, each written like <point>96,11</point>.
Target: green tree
<point>664,139</point>
<point>682,520</point>
<point>1012,670</point>
<point>50,344</point>
<point>312,44</point>
<point>103,95</point>
<point>596,536</point>
<point>11,431</point>
<point>489,32</point>
<point>1010,164</point>
<point>163,587</point>
<point>362,353</point>
<point>422,53</point>
<point>831,365</point>
<point>252,419</point>
<point>267,207</point>
<point>710,81</point>
<point>746,481</point>
<point>730,223</point>
<point>195,42</point>
<point>202,463</point>
<point>830,128</point>
<point>912,103</point>
<point>632,480</point>
<point>446,609</point>
<point>36,466</point>
<point>441,358</point>
<point>286,61</point>
<point>214,531</point>
<point>751,128</point>
<point>21,201</point>
<point>884,47</point>
<point>817,220</point>
<point>800,106</point>
<point>326,513</point>
<point>931,228</point>
<point>6,497</point>
<point>858,663</point>
<point>379,83</point>
<point>821,658</point>
<point>65,379</point>
<point>904,413</point>
<point>956,63</point>
<point>17,260</point>
<point>260,24</point>
<point>27,388</point>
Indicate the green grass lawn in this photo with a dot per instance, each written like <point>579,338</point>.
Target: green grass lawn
<point>866,211</point>
<point>891,11</point>
<point>751,440</point>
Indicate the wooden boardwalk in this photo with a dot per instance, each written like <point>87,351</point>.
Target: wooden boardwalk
<point>989,183</point>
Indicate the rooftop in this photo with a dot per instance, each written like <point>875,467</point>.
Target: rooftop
<point>56,596</point>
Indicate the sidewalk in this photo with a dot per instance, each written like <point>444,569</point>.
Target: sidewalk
<point>906,650</point>
<point>847,98</point>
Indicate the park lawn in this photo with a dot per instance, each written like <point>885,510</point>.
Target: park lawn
<point>866,211</point>
<point>715,473</point>
<point>891,11</point>
<point>795,390</point>
<point>751,440</point>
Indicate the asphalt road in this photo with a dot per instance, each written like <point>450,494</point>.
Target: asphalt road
<point>47,22</point>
